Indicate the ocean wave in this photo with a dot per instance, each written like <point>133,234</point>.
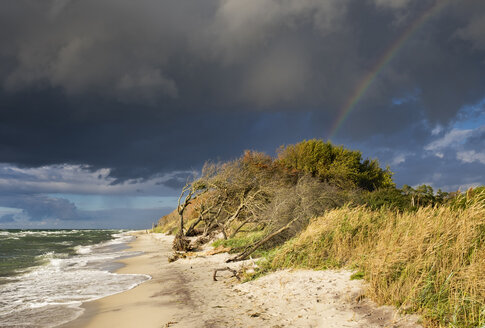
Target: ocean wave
<point>50,286</point>
<point>83,249</point>
<point>64,282</point>
<point>7,235</point>
<point>46,233</point>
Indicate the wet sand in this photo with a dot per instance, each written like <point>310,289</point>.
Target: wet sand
<point>147,305</point>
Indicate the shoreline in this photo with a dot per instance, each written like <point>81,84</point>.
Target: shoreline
<point>145,305</point>
<point>183,294</point>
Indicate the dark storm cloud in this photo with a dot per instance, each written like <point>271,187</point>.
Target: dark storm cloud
<point>156,86</point>
<point>176,181</point>
<point>41,207</point>
<point>126,218</point>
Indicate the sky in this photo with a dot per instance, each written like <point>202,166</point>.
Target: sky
<point>106,106</point>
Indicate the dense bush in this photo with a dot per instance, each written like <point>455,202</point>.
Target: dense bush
<point>335,165</point>
<point>391,198</point>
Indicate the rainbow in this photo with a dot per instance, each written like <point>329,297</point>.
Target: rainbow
<point>381,63</point>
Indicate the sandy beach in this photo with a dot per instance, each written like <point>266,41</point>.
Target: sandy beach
<point>184,294</point>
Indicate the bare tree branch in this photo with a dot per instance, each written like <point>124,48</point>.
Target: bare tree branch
<point>234,273</point>
<point>251,249</point>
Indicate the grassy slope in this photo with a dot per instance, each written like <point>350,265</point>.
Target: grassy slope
<point>431,261</point>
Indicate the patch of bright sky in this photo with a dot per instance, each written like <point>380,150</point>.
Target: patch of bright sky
<point>9,210</point>
<point>471,116</point>
<point>105,202</point>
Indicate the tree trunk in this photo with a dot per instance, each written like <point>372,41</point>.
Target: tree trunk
<point>209,225</point>
<point>250,250</point>
<point>180,242</point>
<point>239,228</point>
<point>242,205</point>
<point>235,214</point>
<point>181,232</point>
<point>191,229</point>
<point>223,229</point>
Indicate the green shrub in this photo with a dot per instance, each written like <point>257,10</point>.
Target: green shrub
<point>335,164</point>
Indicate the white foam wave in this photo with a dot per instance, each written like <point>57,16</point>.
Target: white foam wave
<point>120,238</point>
<point>52,286</point>
<point>83,249</point>
<point>4,235</point>
<point>65,282</point>
<point>44,233</point>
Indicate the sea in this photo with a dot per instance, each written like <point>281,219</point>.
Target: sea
<point>45,275</point>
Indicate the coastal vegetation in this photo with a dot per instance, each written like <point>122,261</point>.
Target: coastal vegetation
<point>430,261</point>
<point>317,205</point>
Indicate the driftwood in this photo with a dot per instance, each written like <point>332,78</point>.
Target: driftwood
<point>176,255</point>
<point>218,250</point>
<point>234,272</point>
<point>199,242</point>
<point>251,249</point>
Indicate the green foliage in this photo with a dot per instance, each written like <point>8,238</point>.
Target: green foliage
<point>357,275</point>
<point>424,195</point>
<point>472,197</point>
<point>391,198</point>
<point>335,165</point>
<point>158,229</point>
<point>410,199</point>
<point>239,242</point>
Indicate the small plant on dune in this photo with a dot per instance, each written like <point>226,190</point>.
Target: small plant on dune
<point>239,242</point>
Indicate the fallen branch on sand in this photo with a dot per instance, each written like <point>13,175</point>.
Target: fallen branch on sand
<point>251,249</point>
<point>234,273</point>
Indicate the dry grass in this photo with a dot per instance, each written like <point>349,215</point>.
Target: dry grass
<point>431,261</point>
<point>168,224</point>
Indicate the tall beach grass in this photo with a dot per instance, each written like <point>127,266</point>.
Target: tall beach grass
<point>431,261</point>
